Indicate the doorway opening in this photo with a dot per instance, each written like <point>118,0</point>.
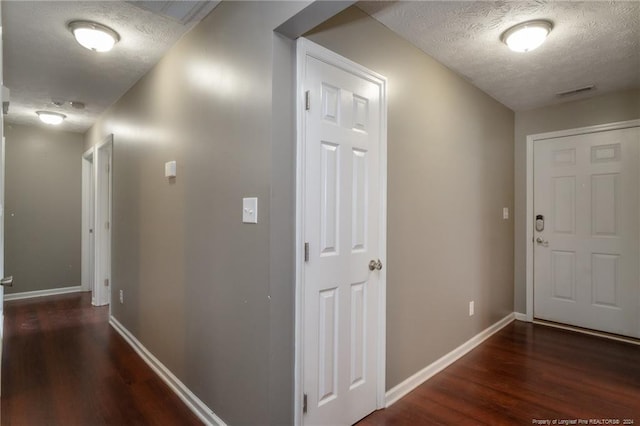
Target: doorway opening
<point>88,224</point>
<point>96,221</point>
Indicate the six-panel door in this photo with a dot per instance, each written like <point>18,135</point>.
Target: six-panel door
<point>342,205</point>
<point>586,259</point>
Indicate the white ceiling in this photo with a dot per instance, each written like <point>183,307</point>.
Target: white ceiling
<point>42,62</point>
<point>593,42</point>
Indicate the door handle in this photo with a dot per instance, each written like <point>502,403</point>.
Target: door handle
<point>375,264</point>
<point>543,243</point>
<point>7,281</point>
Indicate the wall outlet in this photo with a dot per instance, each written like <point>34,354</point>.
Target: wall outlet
<point>250,210</point>
<point>121,296</point>
<point>471,308</point>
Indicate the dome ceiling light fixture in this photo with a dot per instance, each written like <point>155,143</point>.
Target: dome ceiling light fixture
<point>94,36</point>
<point>527,36</point>
<point>53,118</point>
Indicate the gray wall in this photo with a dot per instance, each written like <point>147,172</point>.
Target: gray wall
<point>210,297</point>
<point>450,173</point>
<point>43,203</point>
<point>609,108</point>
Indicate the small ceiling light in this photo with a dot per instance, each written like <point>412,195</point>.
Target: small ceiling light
<point>49,117</point>
<point>527,36</point>
<point>94,36</point>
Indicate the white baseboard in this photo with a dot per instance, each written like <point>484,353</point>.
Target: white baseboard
<point>521,317</point>
<point>200,409</point>
<point>426,373</point>
<point>42,293</point>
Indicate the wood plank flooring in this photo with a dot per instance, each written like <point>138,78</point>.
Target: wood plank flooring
<point>64,365</point>
<point>524,374</point>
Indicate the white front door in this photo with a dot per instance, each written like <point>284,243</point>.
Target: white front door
<point>587,257</point>
<point>343,226</point>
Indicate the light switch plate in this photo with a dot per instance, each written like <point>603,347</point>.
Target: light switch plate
<point>250,210</point>
<point>505,212</point>
<point>170,169</point>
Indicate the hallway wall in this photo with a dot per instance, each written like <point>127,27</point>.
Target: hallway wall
<point>43,202</point>
<point>209,296</point>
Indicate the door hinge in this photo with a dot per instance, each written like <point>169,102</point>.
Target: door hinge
<point>304,404</point>
<point>108,167</point>
<point>307,100</point>
<point>107,225</point>
<point>306,252</point>
<point>106,282</point>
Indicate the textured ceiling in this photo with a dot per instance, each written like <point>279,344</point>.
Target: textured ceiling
<point>42,62</point>
<point>593,42</point>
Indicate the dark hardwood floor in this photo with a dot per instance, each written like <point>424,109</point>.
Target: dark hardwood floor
<point>64,365</point>
<point>528,373</point>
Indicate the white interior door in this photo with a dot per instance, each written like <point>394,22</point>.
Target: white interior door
<point>2,152</point>
<point>343,225</point>
<point>1,205</point>
<point>586,260</point>
<point>102,224</point>
<point>88,217</point>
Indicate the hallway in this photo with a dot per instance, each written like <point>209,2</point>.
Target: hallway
<point>64,365</point>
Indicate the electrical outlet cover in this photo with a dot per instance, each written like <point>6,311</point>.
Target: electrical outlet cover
<point>250,210</point>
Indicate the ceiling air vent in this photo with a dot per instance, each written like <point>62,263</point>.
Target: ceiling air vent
<point>186,12</point>
<point>575,91</point>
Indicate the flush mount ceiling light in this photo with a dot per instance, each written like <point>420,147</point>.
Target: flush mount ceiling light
<point>94,36</point>
<point>49,117</point>
<point>527,36</point>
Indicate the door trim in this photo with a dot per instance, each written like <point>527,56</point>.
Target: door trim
<point>306,48</point>
<point>531,139</point>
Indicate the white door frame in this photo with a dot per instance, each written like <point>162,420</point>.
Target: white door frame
<point>305,48</point>
<point>531,139</point>
<point>88,217</point>
<point>2,212</point>
<point>103,195</point>
<point>2,206</point>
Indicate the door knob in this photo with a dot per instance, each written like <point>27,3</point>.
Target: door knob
<point>543,243</point>
<point>375,264</point>
<point>7,281</point>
